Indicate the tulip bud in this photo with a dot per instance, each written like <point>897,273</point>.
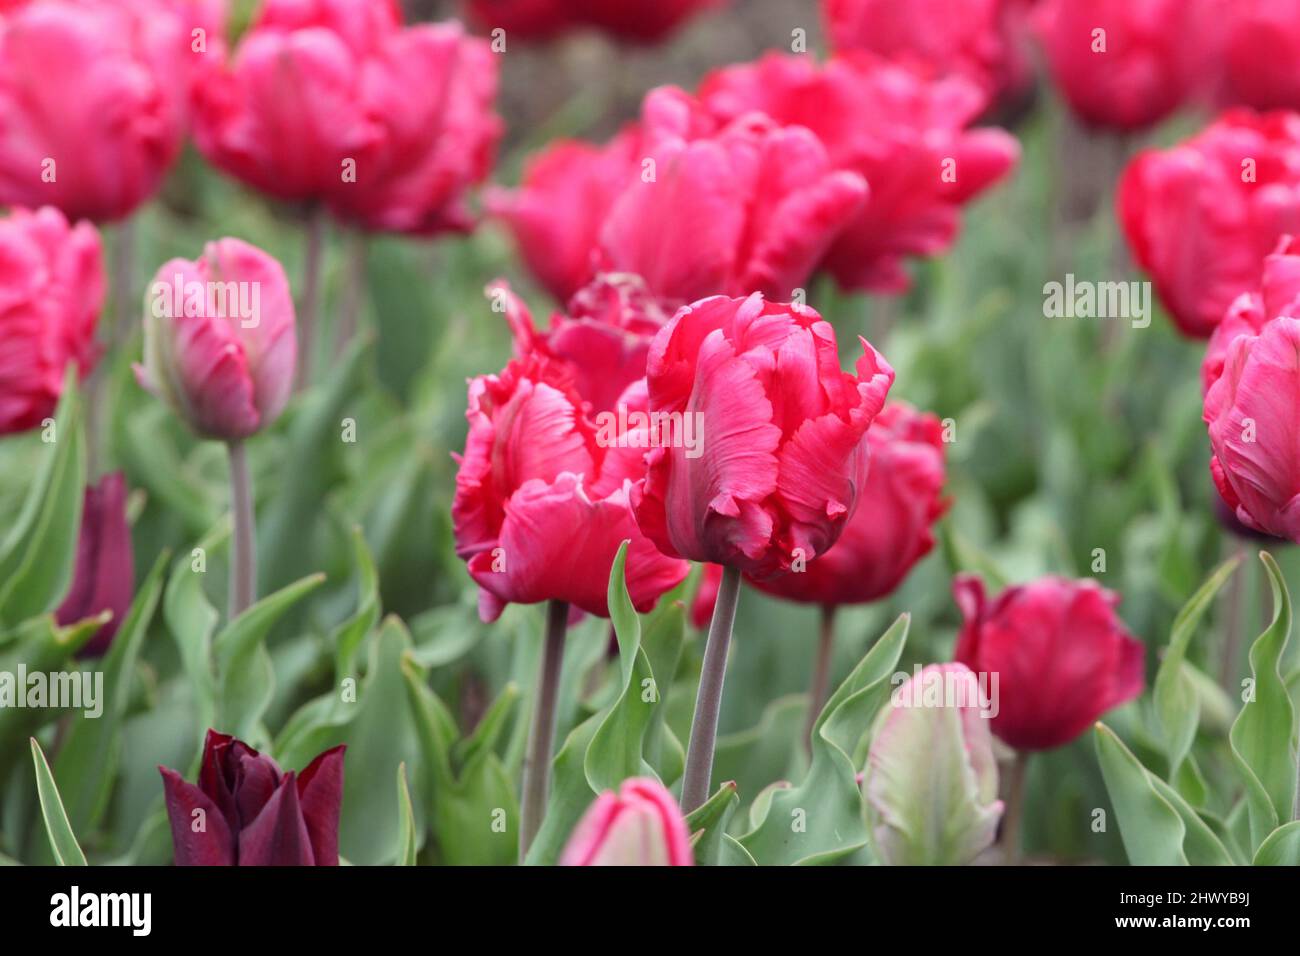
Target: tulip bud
<point>246,812</point>
<point>104,576</point>
<point>1059,654</point>
<point>641,825</point>
<point>931,782</point>
<point>219,340</point>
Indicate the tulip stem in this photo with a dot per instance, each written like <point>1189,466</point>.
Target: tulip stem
<point>541,740</point>
<point>310,303</point>
<point>821,673</point>
<point>1011,846</point>
<point>243,553</point>
<point>353,287</point>
<point>708,703</point>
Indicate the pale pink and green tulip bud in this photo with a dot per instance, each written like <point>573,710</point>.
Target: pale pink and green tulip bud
<point>931,781</point>
<point>641,825</point>
<point>219,341</point>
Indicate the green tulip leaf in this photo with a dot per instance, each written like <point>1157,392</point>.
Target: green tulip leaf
<point>820,820</point>
<point>407,845</point>
<point>67,852</point>
<point>1261,736</point>
<point>1176,699</point>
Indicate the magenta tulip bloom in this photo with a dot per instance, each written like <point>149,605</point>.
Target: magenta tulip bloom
<point>890,529</point>
<point>1201,216</point>
<point>901,130</point>
<point>334,101</point>
<point>556,214</point>
<point>636,21</point>
<point>640,825</point>
<point>103,578</point>
<point>985,41</point>
<point>1261,46</point>
<point>219,340</point>
<point>541,502</point>
<point>94,135</point>
<point>1058,652</point>
<point>602,337</point>
<point>694,205</point>
<point>245,811</point>
<point>1126,64</point>
<point>783,449</point>
<point>51,290</point>
<point>1251,406</point>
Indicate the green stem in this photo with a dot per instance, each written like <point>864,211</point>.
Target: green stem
<point>708,703</point>
<point>309,307</point>
<point>1011,825</point>
<point>821,672</point>
<point>243,550</point>
<point>541,738</point>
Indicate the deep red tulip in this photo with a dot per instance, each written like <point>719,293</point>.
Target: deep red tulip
<point>984,40</point>
<point>905,133</point>
<point>602,337</point>
<point>220,345</point>
<point>1261,47</point>
<point>641,825</point>
<point>246,812</point>
<point>51,291</point>
<point>1125,64</point>
<point>96,135</point>
<point>1201,217</point>
<point>103,578</point>
<point>694,206</point>
<point>334,101</point>
<point>1056,654</point>
<point>1251,404</point>
<point>558,210</point>
<point>641,21</point>
<point>783,450</point>
<point>541,502</point>
<point>890,529</point>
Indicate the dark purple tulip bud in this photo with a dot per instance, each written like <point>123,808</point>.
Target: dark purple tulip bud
<point>246,812</point>
<point>104,576</point>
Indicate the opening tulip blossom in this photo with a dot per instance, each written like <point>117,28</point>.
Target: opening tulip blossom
<point>1251,407</point>
<point>1201,216</point>
<point>220,350</point>
<point>899,128</point>
<point>246,811</point>
<point>51,290</point>
<point>542,506</point>
<point>784,456</point>
<point>694,205</point>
